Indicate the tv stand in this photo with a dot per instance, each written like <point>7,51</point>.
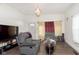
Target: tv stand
<point>10,44</point>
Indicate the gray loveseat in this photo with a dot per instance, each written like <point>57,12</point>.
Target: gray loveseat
<point>27,45</point>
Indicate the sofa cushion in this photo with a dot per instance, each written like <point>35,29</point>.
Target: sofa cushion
<point>28,40</point>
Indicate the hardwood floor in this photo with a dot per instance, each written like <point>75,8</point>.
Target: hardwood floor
<point>61,49</point>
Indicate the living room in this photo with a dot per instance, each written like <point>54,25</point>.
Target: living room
<point>32,18</point>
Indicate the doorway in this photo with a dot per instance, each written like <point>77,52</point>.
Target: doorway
<point>49,26</point>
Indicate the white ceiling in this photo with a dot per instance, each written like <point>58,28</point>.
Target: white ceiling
<point>46,8</point>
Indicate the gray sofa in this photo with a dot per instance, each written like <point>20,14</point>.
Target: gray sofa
<point>50,35</point>
<point>27,45</point>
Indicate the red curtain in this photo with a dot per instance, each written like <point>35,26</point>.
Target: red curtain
<point>49,26</point>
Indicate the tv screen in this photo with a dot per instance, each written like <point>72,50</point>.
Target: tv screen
<point>8,32</point>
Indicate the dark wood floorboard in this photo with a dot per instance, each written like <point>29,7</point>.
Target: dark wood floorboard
<point>61,49</point>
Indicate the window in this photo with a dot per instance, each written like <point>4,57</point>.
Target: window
<point>75,28</point>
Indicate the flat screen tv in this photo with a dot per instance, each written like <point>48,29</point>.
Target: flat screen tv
<point>8,32</point>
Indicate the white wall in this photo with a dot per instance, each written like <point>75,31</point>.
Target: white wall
<point>11,16</point>
<point>68,26</point>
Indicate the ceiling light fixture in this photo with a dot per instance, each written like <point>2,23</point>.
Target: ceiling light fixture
<point>37,12</point>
